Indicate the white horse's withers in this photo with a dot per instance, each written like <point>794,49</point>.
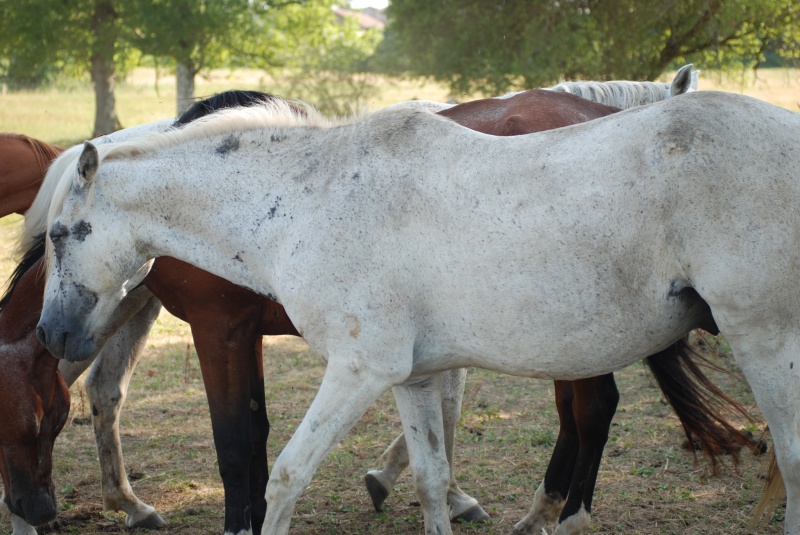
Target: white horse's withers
<point>386,239</point>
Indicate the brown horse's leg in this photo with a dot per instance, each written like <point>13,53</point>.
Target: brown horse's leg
<point>594,404</point>
<point>552,492</point>
<point>259,426</point>
<point>226,351</point>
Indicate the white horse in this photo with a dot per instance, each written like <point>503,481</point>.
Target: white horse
<point>385,239</point>
<point>108,381</point>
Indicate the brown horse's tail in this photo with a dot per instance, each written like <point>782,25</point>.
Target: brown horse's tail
<point>699,403</point>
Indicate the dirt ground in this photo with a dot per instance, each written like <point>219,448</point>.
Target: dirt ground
<point>647,483</point>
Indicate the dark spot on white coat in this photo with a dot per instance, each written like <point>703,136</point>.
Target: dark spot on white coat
<point>81,229</point>
<point>229,144</point>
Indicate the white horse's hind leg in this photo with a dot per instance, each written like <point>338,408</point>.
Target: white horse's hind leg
<point>462,505</point>
<point>771,363</point>
<point>395,459</point>
<point>106,388</point>
<point>381,482</point>
<point>349,387</point>
<point>420,411</point>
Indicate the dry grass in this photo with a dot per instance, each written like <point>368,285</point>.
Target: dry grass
<point>647,483</point>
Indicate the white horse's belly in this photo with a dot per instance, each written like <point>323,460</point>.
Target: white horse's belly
<point>554,343</point>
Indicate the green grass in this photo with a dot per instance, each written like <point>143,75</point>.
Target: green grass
<point>66,116</point>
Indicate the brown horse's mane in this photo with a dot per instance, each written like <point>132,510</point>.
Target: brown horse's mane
<point>45,152</point>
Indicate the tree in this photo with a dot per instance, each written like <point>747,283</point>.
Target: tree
<point>196,34</point>
<point>36,36</point>
<point>492,46</point>
<point>326,60</point>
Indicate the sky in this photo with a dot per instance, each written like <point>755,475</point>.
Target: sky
<point>361,4</point>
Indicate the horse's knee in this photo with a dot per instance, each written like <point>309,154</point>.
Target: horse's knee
<point>431,477</point>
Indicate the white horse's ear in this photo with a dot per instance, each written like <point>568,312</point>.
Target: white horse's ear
<point>88,163</point>
<point>682,81</point>
<point>695,80</point>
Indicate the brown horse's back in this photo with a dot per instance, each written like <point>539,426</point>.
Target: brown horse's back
<point>527,112</point>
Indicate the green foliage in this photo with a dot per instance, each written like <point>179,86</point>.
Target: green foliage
<point>492,46</point>
<point>42,41</point>
<point>38,39</point>
<point>197,33</point>
<point>328,67</point>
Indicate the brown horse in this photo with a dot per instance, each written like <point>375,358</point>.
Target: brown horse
<point>30,381</point>
<point>22,167</point>
<point>31,384</point>
<point>230,351</point>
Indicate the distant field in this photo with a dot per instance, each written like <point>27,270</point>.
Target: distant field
<point>68,116</point>
<point>648,484</point>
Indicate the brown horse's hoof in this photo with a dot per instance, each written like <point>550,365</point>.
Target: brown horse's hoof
<point>474,514</point>
<point>377,491</point>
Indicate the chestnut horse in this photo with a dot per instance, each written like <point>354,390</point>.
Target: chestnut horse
<point>23,165</point>
<point>234,390</point>
<point>30,384</point>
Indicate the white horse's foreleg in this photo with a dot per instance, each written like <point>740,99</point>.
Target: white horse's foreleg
<point>348,388</point>
<point>18,526</point>
<point>420,411</point>
<point>106,388</point>
<point>771,364</point>
<point>395,459</point>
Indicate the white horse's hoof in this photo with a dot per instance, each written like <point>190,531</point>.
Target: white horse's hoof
<point>474,514</point>
<point>151,521</point>
<point>376,490</point>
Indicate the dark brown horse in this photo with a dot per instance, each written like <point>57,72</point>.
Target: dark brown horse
<point>35,402</point>
<point>230,356</point>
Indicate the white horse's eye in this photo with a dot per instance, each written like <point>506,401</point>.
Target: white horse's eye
<point>58,231</point>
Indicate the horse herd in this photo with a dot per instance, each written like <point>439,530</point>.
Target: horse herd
<point>382,240</point>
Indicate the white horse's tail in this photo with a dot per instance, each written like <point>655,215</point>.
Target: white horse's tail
<point>774,492</point>
<point>624,94</point>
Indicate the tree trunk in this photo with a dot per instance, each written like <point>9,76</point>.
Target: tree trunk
<point>184,79</point>
<point>103,68</point>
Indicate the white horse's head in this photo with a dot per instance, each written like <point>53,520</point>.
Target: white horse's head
<point>92,264</point>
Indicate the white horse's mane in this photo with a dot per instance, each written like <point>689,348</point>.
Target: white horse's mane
<point>63,172</point>
<point>622,94</point>
<point>274,114</point>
